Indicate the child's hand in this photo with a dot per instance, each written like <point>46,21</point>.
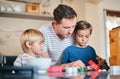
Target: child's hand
<point>102,63</point>
<point>100,60</point>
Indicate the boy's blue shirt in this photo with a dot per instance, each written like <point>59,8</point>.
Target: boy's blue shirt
<point>74,53</point>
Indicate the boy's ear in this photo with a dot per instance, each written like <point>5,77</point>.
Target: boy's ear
<point>28,44</point>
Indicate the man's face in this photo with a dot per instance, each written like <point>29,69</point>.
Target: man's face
<point>66,27</point>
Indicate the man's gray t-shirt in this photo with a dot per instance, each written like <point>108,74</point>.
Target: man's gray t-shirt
<point>53,44</point>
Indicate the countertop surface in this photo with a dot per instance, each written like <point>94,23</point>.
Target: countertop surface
<point>63,75</point>
<point>8,72</point>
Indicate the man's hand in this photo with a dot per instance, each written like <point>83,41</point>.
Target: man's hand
<point>77,64</point>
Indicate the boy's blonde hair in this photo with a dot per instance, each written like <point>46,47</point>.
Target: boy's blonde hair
<point>30,35</point>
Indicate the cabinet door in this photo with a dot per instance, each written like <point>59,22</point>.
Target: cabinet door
<point>118,52</point>
<point>115,46</point>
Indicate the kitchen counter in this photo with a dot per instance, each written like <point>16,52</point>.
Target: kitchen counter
<point>28,72</point>
<point>63,75</point>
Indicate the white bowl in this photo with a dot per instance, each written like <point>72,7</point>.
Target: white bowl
<point>41,63</point>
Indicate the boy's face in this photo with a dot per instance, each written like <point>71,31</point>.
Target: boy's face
<point>37,47</point>
<point>82,37</point>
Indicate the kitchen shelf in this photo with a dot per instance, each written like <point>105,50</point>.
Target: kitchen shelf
<point>25,15</point>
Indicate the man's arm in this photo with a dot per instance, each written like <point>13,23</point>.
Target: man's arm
<point>77,64</point>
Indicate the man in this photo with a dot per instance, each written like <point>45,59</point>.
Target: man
<point>58,34</point>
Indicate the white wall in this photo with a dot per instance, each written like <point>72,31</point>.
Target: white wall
<point>10,30</point>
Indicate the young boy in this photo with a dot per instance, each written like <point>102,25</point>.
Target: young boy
<point>80,50</point>
<point>32,45</point>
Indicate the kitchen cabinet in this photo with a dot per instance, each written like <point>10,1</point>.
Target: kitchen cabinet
<point>114,36</point>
